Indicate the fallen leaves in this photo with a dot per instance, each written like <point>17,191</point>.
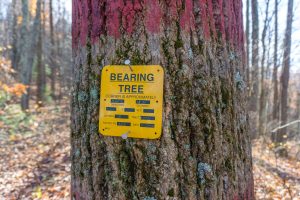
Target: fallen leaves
<point>36,165</point>
<point>274,177</point>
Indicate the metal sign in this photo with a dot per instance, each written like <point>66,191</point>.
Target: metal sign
<point>131,100</point>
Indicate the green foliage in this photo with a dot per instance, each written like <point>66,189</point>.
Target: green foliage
<point>48,97</point>
<point>14,118</point>
<point>3,98</point>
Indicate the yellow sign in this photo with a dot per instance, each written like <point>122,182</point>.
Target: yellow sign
<point>131,100</point>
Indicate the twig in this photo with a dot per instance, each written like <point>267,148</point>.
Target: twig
<point>285,125</point>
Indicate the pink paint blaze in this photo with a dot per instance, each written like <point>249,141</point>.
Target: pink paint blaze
<point>112,12</point>
<point>75,23</point>
<point>219,18</point>
<point>187,20</point>
<point>128,14</point>
<point>153,16</point>
<point>97,20</point>
<point>211,18</point>
<point>240,30</point>
<point>110,17</point>
<point>204,18</point>
<point>84,14</point>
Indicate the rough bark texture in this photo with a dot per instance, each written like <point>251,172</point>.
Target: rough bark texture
<point>204,151</point>
<point>285,76</point>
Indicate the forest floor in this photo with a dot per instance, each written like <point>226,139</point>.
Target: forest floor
<point>35,153</point>
<point>35,158</point>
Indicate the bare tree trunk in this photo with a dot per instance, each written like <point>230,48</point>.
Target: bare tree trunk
<point>286,71</point>
<point>262,98</point>
<point>14,52</point>
<point>255,58</point>
<point>275,69</point>
<point>298,108</point>
<point>41,70</point>
<point>204,151</point>
<point>24,58</point>
<point>248,40</point>
<point>28,44</point>
<point>52,53</point>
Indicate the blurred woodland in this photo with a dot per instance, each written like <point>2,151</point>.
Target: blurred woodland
<point>35,78</point>
<point>35,85</point>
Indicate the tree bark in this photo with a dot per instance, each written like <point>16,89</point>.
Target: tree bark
<point>285,76</point>
<point>204,151</point>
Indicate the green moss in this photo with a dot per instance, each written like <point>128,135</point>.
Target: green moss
<point>126,171</point>
<point>89,53</point>
<point>94,93</point>
<point>165,45</point>
<point>171,192</point>
<point>178,44</point>
<point>228,164</point>
<point>82,96</point>
<point>179,158</point>
<point>226,96</point>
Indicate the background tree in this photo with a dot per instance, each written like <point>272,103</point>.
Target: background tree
<point>14,53</point>
<point>275,113</point>
<point>262,97</point>
<point>52,54</point>
<point>204,151</point>
<point>41,70</point>
<point>255,58</point>
<point>248,40</point>
<point>286,71</point>
<point>26,60</point>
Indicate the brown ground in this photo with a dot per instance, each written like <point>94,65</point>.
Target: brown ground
<point>35,159</point>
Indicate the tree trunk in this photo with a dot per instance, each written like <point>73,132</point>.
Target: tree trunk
<point>204,151</point>
<point>52,53</point>
<point>262,99</point>
<point>275,113</point>
<point>41,70</point>
<point>285,76</point>
<point>248,40</point>
<point>24,58</point>
<point>255,58</point>
<point>14,52</point>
